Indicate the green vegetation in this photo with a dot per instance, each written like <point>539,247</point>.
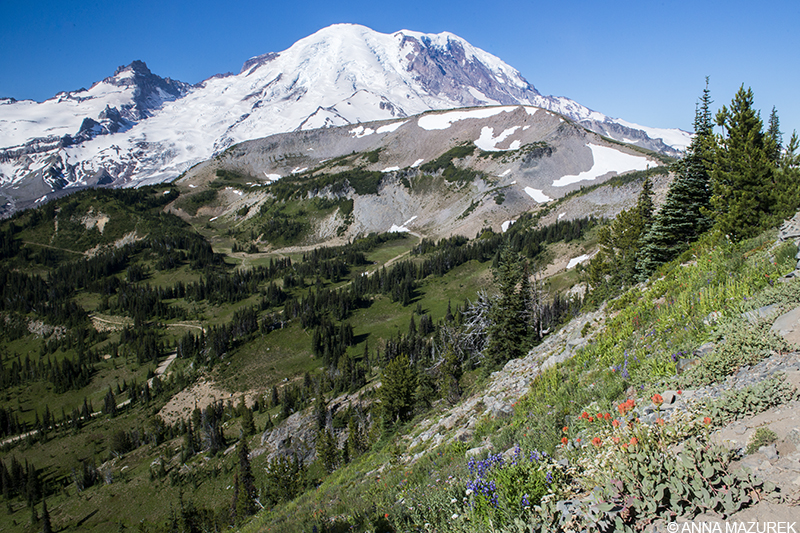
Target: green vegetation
<point>444,163</point>
<point>762,436</point>
<point>86,318</point>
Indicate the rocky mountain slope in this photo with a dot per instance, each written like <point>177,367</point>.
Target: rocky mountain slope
<point>135,127</point>
<point>436,174</point>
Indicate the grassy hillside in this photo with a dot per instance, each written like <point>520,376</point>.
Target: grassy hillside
<point>102,289</point>
<point>138,360</point>
<point>599,411</point>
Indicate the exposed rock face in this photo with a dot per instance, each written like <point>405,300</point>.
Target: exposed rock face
<point>522,157</point>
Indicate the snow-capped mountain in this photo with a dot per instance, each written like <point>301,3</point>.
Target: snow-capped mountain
<point>135,127</point>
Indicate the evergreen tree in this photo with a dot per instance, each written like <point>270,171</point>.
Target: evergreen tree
<point>508,327</point>
<point>244,486</point>
<point>774,136</point>
<point>683,217</point>
<point>248,425</point>
<point>46,525</point>
<point>355,439</point>
<point>327,451</point>
<point>615,266</point>
<point>450,375</point>
<point>398,383</point>
<point>743,178</point>
<point>788,179</point>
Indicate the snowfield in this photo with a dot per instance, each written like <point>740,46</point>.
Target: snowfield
<point>442,121</point>
<point>606,160</point>
<point>537,195</point>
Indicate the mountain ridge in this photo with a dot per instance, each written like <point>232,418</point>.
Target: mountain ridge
<point>137,128</point>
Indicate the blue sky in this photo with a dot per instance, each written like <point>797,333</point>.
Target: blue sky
<point>644,61</point>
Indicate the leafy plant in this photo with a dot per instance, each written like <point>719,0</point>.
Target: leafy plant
<point>761,437</point>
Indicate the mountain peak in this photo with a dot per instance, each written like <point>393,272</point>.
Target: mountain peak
<point>135,67</point>
<point>342,74</point>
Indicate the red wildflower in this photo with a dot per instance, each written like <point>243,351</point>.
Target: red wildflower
<point>591,419</point>
<point>615,439</point>
<point>660,421</point>
<point>607,416</point>
<point>706,421</point>
<point>597,441</point>
<point>564,440</point>
<point>657,399</point>
<point>584,415</point>
<point>615,423</point>
<point>634,441</point>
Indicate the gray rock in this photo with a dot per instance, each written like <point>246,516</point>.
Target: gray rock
<point>478,451</point>
<point>770,452</point>
<point>756,315</point>
<point>794,437</point>
<point>705,349</point>
<point>670,397</point>
<point>685,364</point>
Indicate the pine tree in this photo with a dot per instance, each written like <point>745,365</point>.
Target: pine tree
<point>683,217</point>
<point>327,451</point>
<point>398,383</point>
<point>788,179</point>
<point>248,425</point>
<point>508,328</point>
<point>743,178</point>
<point>47,527</point>
<point>244,486</point>
<point>774,137</point>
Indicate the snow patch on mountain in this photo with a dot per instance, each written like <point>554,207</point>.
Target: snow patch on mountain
<point>442,121</point>
<point>606,160</point>
<point>676,138</point>
<point>488,142</point>
<point>537,194</point>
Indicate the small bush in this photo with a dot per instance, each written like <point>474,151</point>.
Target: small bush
<point>761,437</point>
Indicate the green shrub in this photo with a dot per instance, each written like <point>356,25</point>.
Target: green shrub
<point>761,437</point>
<point>736,404</point>
<point>743,344</point>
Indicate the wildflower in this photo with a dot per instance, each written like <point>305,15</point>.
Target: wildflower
<point>578,439</point>
<point>680,391</point>
<point>615,423</point>
<point>597,442</point>
<point>591,419</point>
<point>657,399</point>
<point>564,440</point>
<point>634,441</point>
<point>706,420</point>
<point>565,429</point>
<point>584,415</point>
<point>615,439</point>
<point>660,421</point>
